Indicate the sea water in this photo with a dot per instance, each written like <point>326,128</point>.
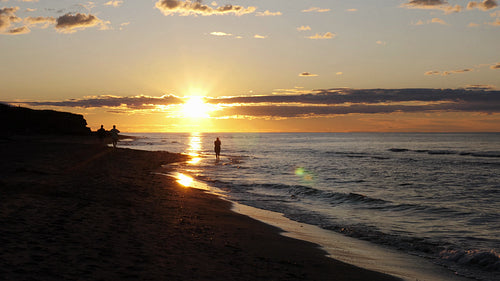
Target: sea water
<point>427,194</point>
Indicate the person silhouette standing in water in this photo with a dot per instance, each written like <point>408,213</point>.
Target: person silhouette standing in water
<point>114,135</point>
<point>217,144</point>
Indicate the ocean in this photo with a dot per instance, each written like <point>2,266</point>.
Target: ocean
<point>432,195</point>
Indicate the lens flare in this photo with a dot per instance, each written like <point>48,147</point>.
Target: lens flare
<point>305,175</point>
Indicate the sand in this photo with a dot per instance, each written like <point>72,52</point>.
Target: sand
<point>74,209</point>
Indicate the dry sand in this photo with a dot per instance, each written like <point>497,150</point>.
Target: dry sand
<point>73,209</point>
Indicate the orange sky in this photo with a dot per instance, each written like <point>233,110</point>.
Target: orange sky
<point>336,66</point>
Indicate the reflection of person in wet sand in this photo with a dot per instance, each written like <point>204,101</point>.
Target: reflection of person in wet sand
<point>114,135</point>
<point>217,144</point>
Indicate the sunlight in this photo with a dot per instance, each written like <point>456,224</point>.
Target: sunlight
<point>194,148</point>
<point>184,180</point>
<point>195,107</point>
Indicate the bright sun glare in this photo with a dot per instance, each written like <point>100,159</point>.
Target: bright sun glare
<point>195,107</point>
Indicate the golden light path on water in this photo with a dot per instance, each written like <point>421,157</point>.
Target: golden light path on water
<point>183,178</point>
<point>194,148</point>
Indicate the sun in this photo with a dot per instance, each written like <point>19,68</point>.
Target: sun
<point>195,107</point>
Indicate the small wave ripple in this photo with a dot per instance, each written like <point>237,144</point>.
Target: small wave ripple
<point>488,154</point>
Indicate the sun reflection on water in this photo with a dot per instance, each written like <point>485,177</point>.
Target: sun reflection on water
<point>194,148</point>
<point>184,180</point>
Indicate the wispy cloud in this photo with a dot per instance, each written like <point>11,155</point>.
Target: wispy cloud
<point>304,28</point>
<point>315,10</point>
<point>221,34</point>
<point>449,72</point>
<point>442,5</point>
<point>257,36</point>
<point>433,20</point>
<point>108,101</point>
<point>438,20</point>
<point>318,36</point>
<point>494,23</point>
<point>495,66</point>
<point>267,13</point>
<point>114,3</point>
<point>19,30</point>
<point>189,8</point>
<point>42,22</point>
<point>307,74</point>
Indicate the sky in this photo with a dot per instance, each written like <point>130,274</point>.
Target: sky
<point>257,65</point>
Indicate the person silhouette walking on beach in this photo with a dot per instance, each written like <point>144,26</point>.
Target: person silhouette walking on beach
<point>101,133</point>
<point>217,144</point>
<point>114,135</point>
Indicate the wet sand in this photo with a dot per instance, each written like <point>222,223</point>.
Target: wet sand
<point>71,208</point>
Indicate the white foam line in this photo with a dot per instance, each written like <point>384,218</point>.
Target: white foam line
<point>353,251</point>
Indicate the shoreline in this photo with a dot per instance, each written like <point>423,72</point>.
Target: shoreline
<point>75,209</point>
<point>337,246</point>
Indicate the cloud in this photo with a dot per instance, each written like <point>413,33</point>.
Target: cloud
<point>442,5</point>
<point>188,8</point>
<point>327,35</point>
<point>473,24</point>
<point>495,23</point>
<point>304,28</point>
<point>485,5</point>
<point>438,20</point>
<point>114,3</point>
<point>257,36</point>
<point>382,43</point>
<point>352,10</point>
<point>339,73</point>
<point>69,23</point>
<point>307,74</point>
<point>87,6</point>
<point>19,30</point>
<point>220,33</point>
<point>480,87</point>
<point>495,66</point>
<point>362,101</point>
<point>106,101</point>
<point>325,102</point>
<point>315,10</point>
<point>268,13</point>
<point>122,25</point>
<point>449,72</point>
<point>42,22</point>
<point>7,17</point>
<point>434,20</point>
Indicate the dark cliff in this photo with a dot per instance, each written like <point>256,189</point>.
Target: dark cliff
<point>20,120</point>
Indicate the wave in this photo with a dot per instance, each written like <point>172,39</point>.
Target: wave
<point>476,264</point>
<point>488,260</point>
<point>489,154</point>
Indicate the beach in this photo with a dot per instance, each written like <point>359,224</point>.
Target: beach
<point>72,208</point>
